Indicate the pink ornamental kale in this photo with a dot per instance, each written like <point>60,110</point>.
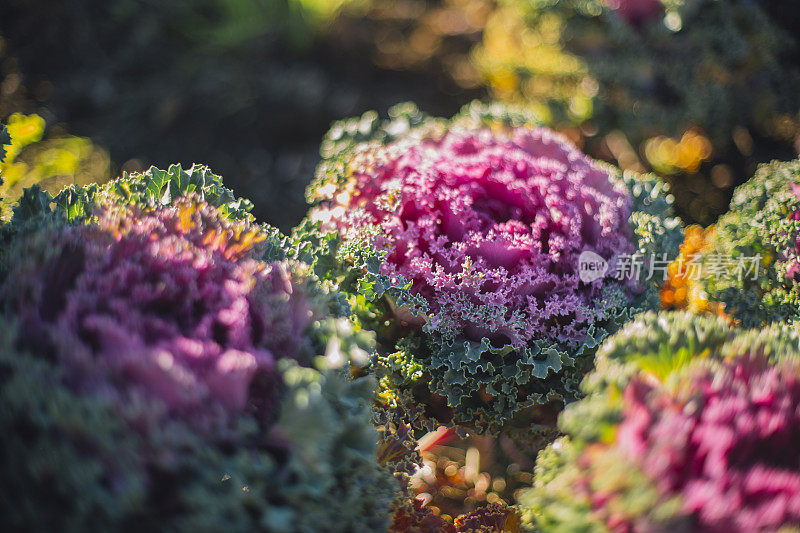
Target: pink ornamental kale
<point>726,443</point>
<point>169,305</point>
<point>488,228</point>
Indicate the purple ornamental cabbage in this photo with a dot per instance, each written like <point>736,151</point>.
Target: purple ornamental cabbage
<point>173,305</point>
<point>162,377</point>
<point>489,229</point>
<point>484,226</point>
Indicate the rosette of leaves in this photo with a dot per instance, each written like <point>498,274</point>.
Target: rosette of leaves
<point>159,373</point>
<point>688,425</point>
<point>458,243</point>
<point>751,264</point>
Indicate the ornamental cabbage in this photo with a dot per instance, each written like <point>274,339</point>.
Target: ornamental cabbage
<point>480,232</point>
<point>690,426</point>
<point>761,232</point>
<point>158,373</point>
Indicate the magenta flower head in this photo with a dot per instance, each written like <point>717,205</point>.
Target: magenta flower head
<point>692,429</point>
<point>488,229</point>
<point>168,375</point>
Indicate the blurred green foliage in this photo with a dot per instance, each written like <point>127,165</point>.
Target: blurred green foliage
<point>522,59</point>
<point>699,90</point>
<point>53,162</point>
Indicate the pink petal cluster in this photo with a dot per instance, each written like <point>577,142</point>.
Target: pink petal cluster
<point>726,442</point>
<point>489,226</point>
<point>636,12</point>
<point>170,305</point>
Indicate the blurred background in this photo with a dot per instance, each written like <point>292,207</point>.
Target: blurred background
<point>248,87</point>
<point>699,91</point>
